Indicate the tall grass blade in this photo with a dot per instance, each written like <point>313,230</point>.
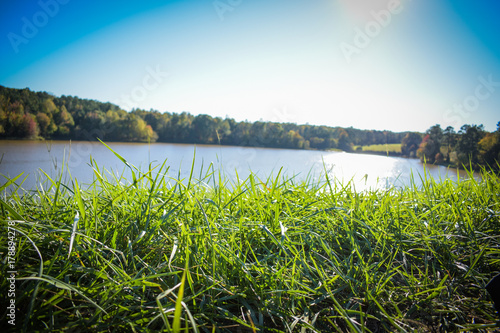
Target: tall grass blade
<point>10,181</point>
<point>178,303</point>
<point>12,212</point>
<point>73,233</point>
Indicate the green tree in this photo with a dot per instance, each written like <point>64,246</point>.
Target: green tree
<point>64,122</point>
<point>180,128</point>
<point>240,134</point>
<point>467,145</point>
<point>135,129</point>
<point>223,129</point>
<point>317,143</point>
<point>344,142</point>
<point>430,146</point>
<point>43,123</point>
<point>205,129</point>
<point>3,116</point>
<point>410,144</point>
<point>90,126</point>
<point>489,149</point>
<point>49,107</point>
<point>449,139</point>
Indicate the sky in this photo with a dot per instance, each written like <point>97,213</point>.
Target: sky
<point>371,64</point>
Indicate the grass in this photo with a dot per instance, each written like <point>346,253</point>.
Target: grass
<point>384,148</point>
<point>207,255</point>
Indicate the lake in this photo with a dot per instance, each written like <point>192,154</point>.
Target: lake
<point>365,171</point>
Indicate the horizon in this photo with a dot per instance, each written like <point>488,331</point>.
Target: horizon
<point>343,63</point>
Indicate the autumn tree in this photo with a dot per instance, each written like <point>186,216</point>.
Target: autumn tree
<point>489,149</point>
<point>410,144</point>
<point>430,146</point>
<point>27,126</point>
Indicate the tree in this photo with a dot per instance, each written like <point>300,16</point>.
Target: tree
<point>64,122</point>
<point>180,128</point>
<point>3,114</point>
<point>91,126</point>
<point>431,144</point>
<point>317,143</point>
<point>27,114</point>
<point>410,144</point>
<point>344,142</point>
<point>240,134</point>
<point>223,129</point>
<point>28,127</point>
<point>425,150</point>
<point>49,107</point>
<point>258,134</point>
<point>439,158</point>
<point>293,140</point>
<point>43,123</point>
<point>135,129</point>
<point>436,133</point>
<point>489,149</point>
<point>467,145</point>
<point>205,129</point>
<point>449,139</point>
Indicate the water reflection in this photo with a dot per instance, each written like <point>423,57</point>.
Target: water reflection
<point>363,171</point>
<point>382,172</point>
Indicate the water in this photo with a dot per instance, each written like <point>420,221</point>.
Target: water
<point>365,171</point>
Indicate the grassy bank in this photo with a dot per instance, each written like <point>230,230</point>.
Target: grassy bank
<point>270,255</point>
<point>393,149</point>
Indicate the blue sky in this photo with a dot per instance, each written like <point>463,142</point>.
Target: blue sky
<point>378,64</point>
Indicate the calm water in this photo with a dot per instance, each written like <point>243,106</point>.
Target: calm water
<point>365,171</point>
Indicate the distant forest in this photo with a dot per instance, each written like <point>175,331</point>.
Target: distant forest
<point>25,114</point>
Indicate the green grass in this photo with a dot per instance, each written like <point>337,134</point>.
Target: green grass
<point>276,255</point>
<point>391,148</point>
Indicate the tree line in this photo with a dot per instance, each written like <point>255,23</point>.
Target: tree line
<point>471,146</point>
<point>25,114</point>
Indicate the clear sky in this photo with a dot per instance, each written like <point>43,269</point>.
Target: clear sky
<point>370,64</point>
